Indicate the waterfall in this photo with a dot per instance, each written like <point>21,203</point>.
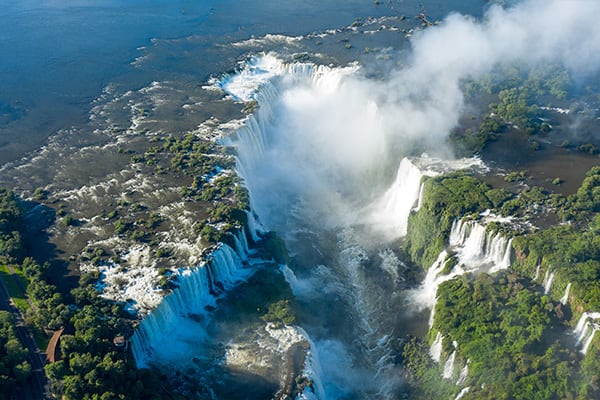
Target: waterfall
<point>435,351</point>
<point>449,366</point>
<point>427,292</point>
<point>462,393</point>
<point>312,370</point>
<point>420,199</point>
<point>464,374</point>
<point>588,341</point>
<point>309,165</point>
<point>548,278</point>
<point>197,288</point>
<point>241,246</point>
<point>586,329</point>
<point>565,297</point>
<point>476,248</point>
<point>426,295</point>
<point>299,287</point>
<point>392,210</point>
<point>583,320</point>
<point>255,228</point>
<point>537,272</point>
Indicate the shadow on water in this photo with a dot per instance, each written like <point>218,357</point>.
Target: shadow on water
<point>38,219</point>
<point>242,385</point>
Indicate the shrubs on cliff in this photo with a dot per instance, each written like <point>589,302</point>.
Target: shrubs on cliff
<point>505,325</point>
<point>506,333</point>
<point>446,198</point>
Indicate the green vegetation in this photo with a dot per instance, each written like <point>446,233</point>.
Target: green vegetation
<point>11,246</point>
<point>507,331</point>
<point>14,367</point>
<point>572,253</point>
<point>280,312</point>
<point>423,374</point>
<point>16,284</point>
<point>446,198</point>
<point>91,367</point>
<point>514,94</point>
<point>515,338</point>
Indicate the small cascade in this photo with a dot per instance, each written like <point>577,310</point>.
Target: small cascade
<point>583,320</point>
<point>426,295</point>
<point>449,366</point>
<point>435,351</point>
<point>565,297</point>
<point>476,248</point>
<point>420,200</point>
<point>197,288</point>
<point>312,370</point>
<point>548,278</point>
<point>588,341</point>
<point>241,246</point>
<point>291,279</point>
<point>537,272</point>
<point>462,393</point>
<point>255,228</point>
<point>586,329</point>
<point>427,292</point>
<point>393,209</point>
<point>464,374</point>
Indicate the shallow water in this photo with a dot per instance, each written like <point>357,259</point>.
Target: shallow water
<point>57,56</point>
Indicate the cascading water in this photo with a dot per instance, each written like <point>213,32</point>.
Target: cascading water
<point>588,341</point>
<point>158,337</point>
<point>435,351</point>
<point>318,163</point>
<point>548,278</point>
<point>464,374</point>
<point>586,329</point>
<point>420,200</point>
<point>448,372</point>
<point>462,393</point>
<point>320,200</point>
<point>476,248</point>
<point>426,295</point>
<point>537,272</point>
<point>565,297</point>
<point>391,212</point>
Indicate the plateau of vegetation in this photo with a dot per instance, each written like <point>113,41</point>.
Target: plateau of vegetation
<point>514,338</point>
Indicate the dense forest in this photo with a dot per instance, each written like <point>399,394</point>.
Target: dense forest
<point>514,337</point>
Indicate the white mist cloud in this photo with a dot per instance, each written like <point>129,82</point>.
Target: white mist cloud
<point>336,137</point>
<point>427,94</point>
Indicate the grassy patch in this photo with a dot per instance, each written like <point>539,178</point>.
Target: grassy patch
<point>15,284</point>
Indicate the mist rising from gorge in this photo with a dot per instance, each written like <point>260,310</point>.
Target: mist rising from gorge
<point>336,138</point>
